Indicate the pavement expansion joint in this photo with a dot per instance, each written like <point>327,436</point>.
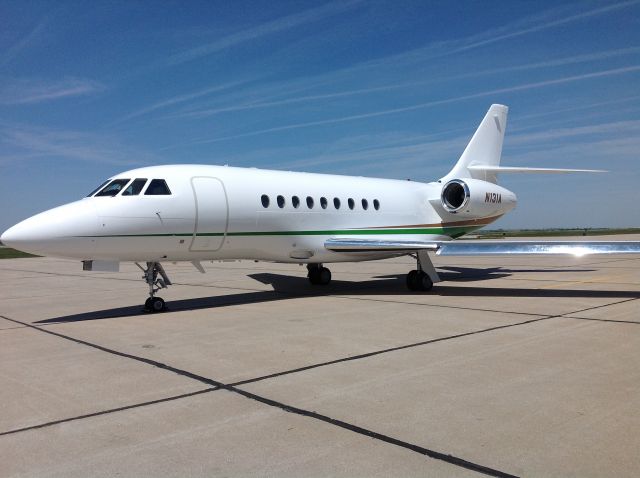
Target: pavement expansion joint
<point>214,385</point>
<point>441,306</point>
<point>601,306</point>
<point>12,328</point>
<point>611,321</point>
<point>392,349</point>
<point>108,411</point>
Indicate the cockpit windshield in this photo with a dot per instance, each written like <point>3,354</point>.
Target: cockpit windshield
<point>135,187</point>
<point>97,189</point>
<point>113,188</point>
<point>126,187</point>
<point>157,187</point>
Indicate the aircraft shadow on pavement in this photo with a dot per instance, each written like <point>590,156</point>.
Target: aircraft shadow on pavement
<point>287,287</point>
<point>462,274</point>
<point>470,274</point>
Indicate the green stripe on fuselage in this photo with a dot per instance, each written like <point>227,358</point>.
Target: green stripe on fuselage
<point>448,231</point>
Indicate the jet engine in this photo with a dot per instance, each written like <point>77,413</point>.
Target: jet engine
<point>476,198</point>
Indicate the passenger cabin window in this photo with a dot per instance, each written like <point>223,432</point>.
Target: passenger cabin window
<point>97,189</point>
<point>135,187</point>
<point>264,199</point>
<point>157,187</point>
<point>113,188</point>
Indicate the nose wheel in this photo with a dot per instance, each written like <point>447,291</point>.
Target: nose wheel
<point>155,304</point>
<point>156,278</point>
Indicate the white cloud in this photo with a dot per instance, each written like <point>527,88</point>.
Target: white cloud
<point>523,87</point>
<point>257,31</point>
<point>179,99</point>
<point>597,130</point>
<point>200,113</point>
<point>544,24</point>
<point>19,142</point>
<point>30,91</point>
<point>23,43</point>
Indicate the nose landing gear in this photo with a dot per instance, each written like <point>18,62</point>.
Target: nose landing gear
<point>155,304</point>
<point>151,273</point>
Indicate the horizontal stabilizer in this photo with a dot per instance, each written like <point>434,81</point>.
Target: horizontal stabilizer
<point>510,169</point>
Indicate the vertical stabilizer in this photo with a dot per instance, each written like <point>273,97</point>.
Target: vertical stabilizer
<point>485,148</point>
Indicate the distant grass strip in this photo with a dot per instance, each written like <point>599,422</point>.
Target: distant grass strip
<point>8,253</point>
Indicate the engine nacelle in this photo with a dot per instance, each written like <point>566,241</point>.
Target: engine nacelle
<point>476,198</point>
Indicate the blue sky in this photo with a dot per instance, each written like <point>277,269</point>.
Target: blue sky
<point>386,89</point>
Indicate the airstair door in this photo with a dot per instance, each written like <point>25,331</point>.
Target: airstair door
<point>212,214</point>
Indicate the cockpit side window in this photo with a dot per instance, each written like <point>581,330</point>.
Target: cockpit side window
<point>157,187</point>
<point>97,189</point>
<point>135,187</point>
<point>113,188</point>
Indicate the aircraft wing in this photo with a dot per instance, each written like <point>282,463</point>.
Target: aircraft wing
<point>485,247</point>
<point>368,245</point>
<point>574,248</point>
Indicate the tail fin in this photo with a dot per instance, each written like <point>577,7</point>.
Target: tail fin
<point>481,157</point>
<point>484,149</point>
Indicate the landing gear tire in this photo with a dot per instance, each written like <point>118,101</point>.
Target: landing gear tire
<point>419,281</point>
<point>412,280</point>
<point>319,275</point>
<point>426,284</point>
<point>156,278</point>
<point>155,304</point>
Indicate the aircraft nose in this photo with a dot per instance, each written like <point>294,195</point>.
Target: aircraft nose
<point>31,235</point>
<point>60,232</point>
<point>11,237</point>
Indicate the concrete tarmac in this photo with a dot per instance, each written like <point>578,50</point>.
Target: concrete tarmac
<point>514,366</point>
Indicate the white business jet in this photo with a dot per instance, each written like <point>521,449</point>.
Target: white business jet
<point>198,213</point>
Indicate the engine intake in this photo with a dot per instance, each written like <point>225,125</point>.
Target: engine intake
<point>474,198</point>
<point>455,195</point>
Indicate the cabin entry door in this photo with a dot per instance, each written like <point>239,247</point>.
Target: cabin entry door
<point>212,214</point>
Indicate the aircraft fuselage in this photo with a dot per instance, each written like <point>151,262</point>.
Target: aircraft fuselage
<point>219,212</point>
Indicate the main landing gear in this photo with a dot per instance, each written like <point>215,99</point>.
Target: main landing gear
<point>318,275</point>
<point>422,278</point>
<point>419,280</point>
<point>151,273</point>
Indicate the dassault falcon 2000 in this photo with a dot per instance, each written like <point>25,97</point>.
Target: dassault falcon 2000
<point>197,213</point>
